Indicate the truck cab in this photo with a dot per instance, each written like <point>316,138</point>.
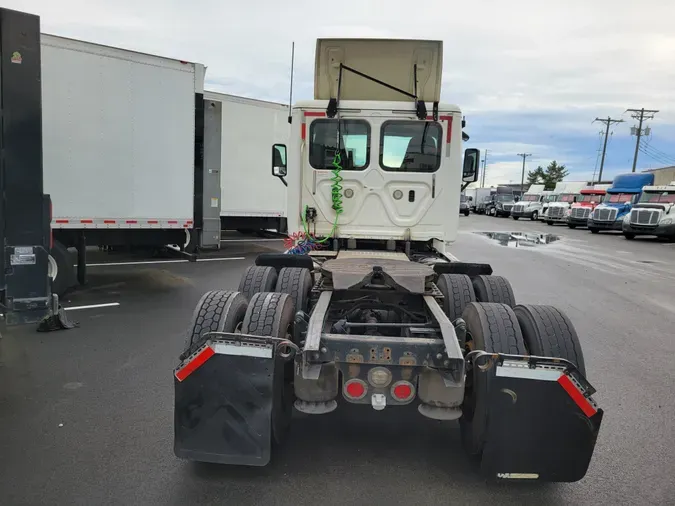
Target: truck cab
<point>618,202</point>
<point>587,200</point>
<point>501,202</point>
<point>568,195</point>
<point>531,203</point>
<point>550,198</point>
<point>654,213</point>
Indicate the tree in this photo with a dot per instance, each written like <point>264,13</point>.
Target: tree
<point>553,174</point>
<point>536,176</point>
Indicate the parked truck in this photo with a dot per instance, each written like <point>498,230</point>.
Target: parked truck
<point>567,195</point>
<point>530,205</point>
<point>236,127</point>
<point>624,192</point>
<point>654,213</point>
<point>552,197</point>
<point>589,199</point>
<point>501,203</point>
<point>368,306</point>
<point>123,137</point>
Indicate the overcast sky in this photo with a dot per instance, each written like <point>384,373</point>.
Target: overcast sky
<point>530,75</point>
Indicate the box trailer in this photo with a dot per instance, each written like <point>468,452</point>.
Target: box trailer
<point>236,128</point>
<point>123,136</point>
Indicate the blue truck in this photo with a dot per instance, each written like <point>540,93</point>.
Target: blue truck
<point>624,192</point>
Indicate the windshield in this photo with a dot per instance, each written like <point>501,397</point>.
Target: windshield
<point>530,198</point>
<point>410,146</point>
<point>590,198</point>
<point>504,198</point>
<point>567,197</point>
<point>552,198</point>
<point>619,198</point>
<point>667,197</point>
<point>355,140</point>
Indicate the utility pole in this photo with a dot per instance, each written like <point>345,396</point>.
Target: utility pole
<point>522,177</point>
<point>482,184</point>
<point>640,115</point>
<point>609,121</point>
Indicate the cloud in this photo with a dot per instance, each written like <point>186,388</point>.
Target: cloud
<point>529,75</point>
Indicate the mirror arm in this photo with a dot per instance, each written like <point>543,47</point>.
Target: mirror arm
<point>283,181</point>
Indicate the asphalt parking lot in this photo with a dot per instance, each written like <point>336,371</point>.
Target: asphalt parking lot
<point>86,415</point>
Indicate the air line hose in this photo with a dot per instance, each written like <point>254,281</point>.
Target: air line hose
<point>302,243</point>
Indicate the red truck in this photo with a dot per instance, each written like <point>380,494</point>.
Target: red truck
<point>582,208</point>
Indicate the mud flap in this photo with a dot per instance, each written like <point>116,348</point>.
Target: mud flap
<point>542,422</point>
<point>224,403</point>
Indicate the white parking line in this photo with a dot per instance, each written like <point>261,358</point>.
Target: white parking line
<point>92,306</point>
<point>150,262</point>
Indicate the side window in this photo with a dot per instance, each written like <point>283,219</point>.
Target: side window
<point>354,144</point>
<point>410,146</point>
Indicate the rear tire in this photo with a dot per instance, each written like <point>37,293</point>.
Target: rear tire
<point>535,216</point>
<point>549,223</point>
<point>493,328</point>
<point>570,225</point>
<point>257,279</point>
<point>296,282</point>
<point>629,236</point>
<point>515,217</point>
<point>494,289</point>
<point>457,292</point>
<point>548,332</point>
<point>593,230</point>
<point>271,315</point>
<point>62,269</point>
<point>216,311</point>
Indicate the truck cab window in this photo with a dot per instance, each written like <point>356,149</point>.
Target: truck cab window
<point>410,146</point>
<point>354,144</point>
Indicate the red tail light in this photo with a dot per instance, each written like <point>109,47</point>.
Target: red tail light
<point>403,391</point>
<point>355,389</point>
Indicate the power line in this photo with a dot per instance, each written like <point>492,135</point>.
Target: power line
<point>670,158</point>
<point>654,156</point>
<point>608,122</point>
<point>522,176</point>
<point>641,115</point>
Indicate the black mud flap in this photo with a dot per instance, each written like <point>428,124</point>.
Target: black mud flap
<point>542,422</point>
<point>224,402</point>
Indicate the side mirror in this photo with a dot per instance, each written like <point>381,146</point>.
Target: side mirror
<point>471,161</point>
<point>279,167</point>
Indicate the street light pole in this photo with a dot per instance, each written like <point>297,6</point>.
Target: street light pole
<point>522,176</point>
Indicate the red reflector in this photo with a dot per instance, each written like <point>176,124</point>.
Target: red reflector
<point>355,389</point>
<point>449,135</point>
<point>61,221</point>
<point>132,222</point>
<point>303,131</point>
<point>86,221</point>
<point>577,396</point>
<point>194,364</point>
<point>153,222</point>
<point>402,391</point>
<point>109,222</point>
<point>314,114</point>
<point>172,222</point>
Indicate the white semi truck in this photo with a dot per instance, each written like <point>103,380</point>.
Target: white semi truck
<point>654,213</point>
<point>568,192</point>
<point>370,307</point>
<point>531,204</point>
<point>249,198</point>
<point>123,137</point>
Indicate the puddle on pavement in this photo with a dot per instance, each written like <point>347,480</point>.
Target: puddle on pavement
<point>520,239</point>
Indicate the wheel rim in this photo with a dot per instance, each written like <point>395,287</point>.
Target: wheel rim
<point>52,268</point>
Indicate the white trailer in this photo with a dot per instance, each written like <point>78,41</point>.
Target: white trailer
<point>249,198</point>
<point>122,134</point>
